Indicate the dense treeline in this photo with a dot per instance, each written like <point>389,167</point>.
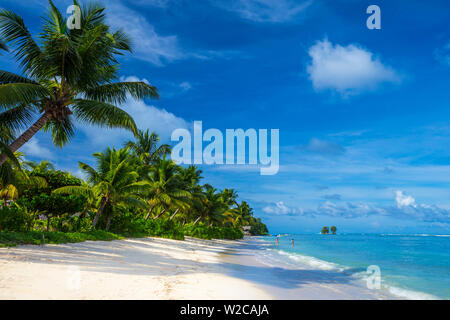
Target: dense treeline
<point>70,76</point>
<point>133,191</point>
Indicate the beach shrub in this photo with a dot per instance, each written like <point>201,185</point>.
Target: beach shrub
<point>71,224</point>
<point>206,232</point>
<point>43,237</point>
<point>12,219</point>
<point>131,226</point>
<point>258,229</point>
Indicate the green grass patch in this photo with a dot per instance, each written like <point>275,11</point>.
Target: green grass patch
<point>8,239</point>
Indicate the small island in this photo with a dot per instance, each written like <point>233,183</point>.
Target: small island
<point>325,230</point>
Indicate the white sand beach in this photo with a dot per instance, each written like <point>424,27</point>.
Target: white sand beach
<point>151,268</point>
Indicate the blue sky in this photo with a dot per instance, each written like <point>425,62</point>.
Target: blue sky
<point>362,113</point>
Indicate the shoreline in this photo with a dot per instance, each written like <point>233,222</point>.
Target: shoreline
<point>154,268</point>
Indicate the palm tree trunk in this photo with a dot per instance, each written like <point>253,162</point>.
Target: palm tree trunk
<point>184,221</point>
<point>108,221</point>
<point>99,212</point>
<point>174,214</point>
<point>27,135</point>
<point>159,215</point>
<point>198,219</point>
<point>149,212</point>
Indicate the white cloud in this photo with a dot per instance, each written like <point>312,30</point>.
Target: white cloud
<point>186,86</point>
<point>347,70</point>
<point>279,208</point>
<point>148,45</point>
<point>34,149</point>
<point>403,200</point>
<point>274,11</point>
<point>146,116</point>
<point>406,208</point>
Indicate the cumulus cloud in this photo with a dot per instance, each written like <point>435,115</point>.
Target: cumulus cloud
<point>146,116</point>
<point>273,11</point>
<point>279,208</point>
<point>346,69</point>
<point>147,43</point>
<point>405,208</point>
<point>34,149</point>
<point>403,200</point>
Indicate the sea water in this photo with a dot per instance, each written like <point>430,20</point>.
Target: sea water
<point>415,266</point>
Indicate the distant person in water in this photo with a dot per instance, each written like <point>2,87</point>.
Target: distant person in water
<point>292,241</point>
<point>277,239</point>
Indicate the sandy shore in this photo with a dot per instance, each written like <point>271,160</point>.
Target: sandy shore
<point>161,269</point>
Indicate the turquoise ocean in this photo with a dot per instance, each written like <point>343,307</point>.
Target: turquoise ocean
<point>415,266</point>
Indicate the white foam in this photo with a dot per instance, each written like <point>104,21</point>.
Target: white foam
<point>409,294</point>
<point>312,261</point>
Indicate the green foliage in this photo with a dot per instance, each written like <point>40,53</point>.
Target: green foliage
<point>333,229</point>
<point>41,237</point>
<point>131,226</point>
<point>258,228</point>
<point>325,230</point>
<point>68,77</point>
<point>12,219</point>
<point>57,179</point>
<point>54,204</point>
<point>205,232</point>
<point>71,224</point>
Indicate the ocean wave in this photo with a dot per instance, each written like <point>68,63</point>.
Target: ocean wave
<point>409,294</point>
<point>294,259</point>
<point>311,261</point>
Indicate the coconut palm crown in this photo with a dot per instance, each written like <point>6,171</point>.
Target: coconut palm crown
<point>66,75</point>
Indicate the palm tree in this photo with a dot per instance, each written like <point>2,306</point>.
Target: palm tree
<point>146,147</point>
<point>114,183</point>
<point>190,178</point>
<point>166,190</point>
<point>67,74</point>
<point>214,209</point>
<point>243,214</point>
<point>42,166</point>
<point>333,229</point>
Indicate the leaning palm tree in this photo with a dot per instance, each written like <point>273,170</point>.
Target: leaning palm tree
<point>146,147</point>
<point>114,183</point>
<point>66,75</point>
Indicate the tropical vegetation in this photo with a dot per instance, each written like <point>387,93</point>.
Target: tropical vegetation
<point>70,76</point>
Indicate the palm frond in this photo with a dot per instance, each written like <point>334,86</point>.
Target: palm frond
<point>103,115</point>
<point>16,118</point>
<point>25,49</point>
<point>78,190</point>
<point>9,77</point>
<point>117,92</point>
<point>13,94</point>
